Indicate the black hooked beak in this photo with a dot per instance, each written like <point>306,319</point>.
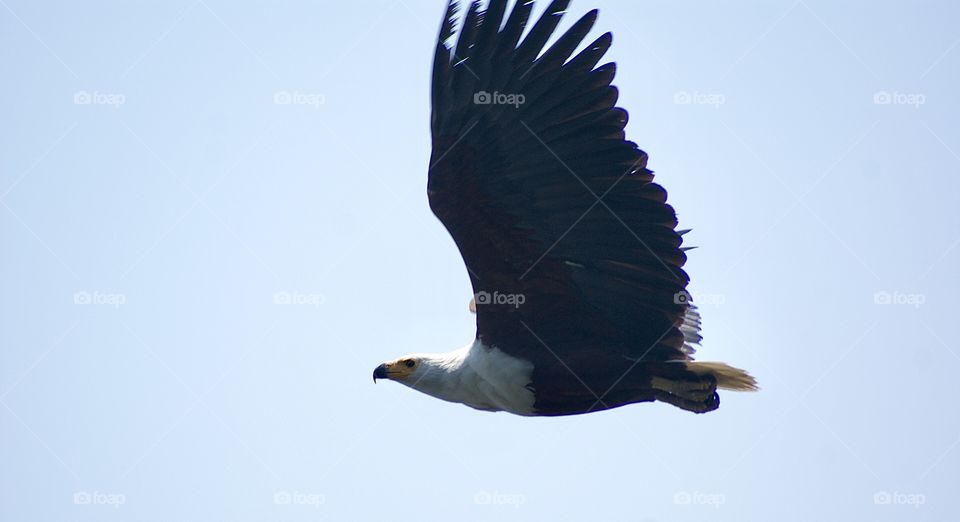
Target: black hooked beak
<point>380,372</point>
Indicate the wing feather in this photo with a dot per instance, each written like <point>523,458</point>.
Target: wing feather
<point>532,176</point>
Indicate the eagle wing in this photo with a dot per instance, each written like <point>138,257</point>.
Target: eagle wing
<point>570,246</point>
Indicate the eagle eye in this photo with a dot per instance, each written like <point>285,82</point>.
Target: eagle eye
<point>409,363</point>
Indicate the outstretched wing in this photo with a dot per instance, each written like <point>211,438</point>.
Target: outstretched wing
<point>570,246</point>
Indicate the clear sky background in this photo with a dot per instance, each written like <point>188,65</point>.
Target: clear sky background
<point>160,203</point>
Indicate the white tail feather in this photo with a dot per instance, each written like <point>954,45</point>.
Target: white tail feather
<point>728,377</point>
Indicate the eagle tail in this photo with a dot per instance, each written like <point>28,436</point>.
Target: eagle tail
<point>693,386</point>
<point>728,377</point>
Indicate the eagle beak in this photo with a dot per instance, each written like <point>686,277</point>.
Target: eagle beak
<point>380,372</point>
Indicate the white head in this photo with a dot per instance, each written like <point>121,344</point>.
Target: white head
<point>432,373</point>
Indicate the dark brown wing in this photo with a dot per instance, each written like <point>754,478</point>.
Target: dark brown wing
<point>570,246</point>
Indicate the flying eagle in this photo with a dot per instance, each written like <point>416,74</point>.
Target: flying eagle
<point>571,248</point>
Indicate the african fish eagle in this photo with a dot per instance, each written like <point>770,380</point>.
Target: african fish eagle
<point>572,251</point>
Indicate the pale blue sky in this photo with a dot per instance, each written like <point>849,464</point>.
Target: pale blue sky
<point>159,202</point>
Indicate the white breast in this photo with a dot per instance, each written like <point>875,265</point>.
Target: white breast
<point>496,381</point>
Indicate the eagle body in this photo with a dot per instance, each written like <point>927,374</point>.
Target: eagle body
<point>571,248</point>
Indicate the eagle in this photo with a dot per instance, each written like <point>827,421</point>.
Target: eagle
<point>571,248</point>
